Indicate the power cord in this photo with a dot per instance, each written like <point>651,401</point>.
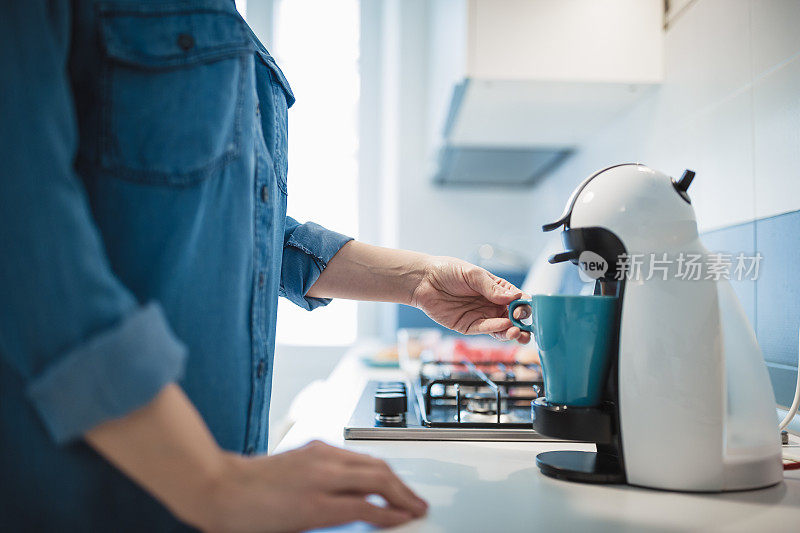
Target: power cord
<point>793,465</point>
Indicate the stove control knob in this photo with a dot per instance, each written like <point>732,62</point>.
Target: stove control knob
<point>390,391</point>
<point>390,404</point>
<point>391,386</point>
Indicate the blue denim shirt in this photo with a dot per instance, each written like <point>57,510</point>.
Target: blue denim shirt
<point>143,240</point>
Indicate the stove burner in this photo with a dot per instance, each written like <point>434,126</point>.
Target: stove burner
<point>482,407</point>
<point>482,403</point>
<point>476,401</point>
<point>484,418</point>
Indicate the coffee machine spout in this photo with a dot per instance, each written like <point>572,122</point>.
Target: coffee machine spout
<point>562,257</point>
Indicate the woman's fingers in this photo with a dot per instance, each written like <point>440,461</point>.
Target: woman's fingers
<point>351,508</point>
<point>504,283</point>
<point>501,329</point>
<point>490,325</point>
<point>494,289</point>
<point>353,472</point>
<point>513,334</point>
<point>522,312</point>
<point>384,482</point>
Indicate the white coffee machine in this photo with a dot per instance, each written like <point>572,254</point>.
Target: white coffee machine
<point>688,404</point>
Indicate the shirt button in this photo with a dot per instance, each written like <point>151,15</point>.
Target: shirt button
<point>185,42</point>
<point>258,109</point>
<point>260,369</point>
<point>260,280</point>
<point>250,450</point>
<point>264,193</point>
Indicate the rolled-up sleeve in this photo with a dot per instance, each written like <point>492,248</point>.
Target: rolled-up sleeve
<point>84,349</point>
<point>307,249</point>
<point>108,375</point>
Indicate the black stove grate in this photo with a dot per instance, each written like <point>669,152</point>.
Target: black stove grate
<point>445,397</point>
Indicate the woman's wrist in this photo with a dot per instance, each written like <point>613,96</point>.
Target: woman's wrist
<point>166,448</point>
<point>424,272</point>
<point>214,493</point>
<point>417,271</point>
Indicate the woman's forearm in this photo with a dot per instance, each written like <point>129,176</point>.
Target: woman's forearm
<point>166,448</point>
<point>364,272</point>
<point>454,293</point>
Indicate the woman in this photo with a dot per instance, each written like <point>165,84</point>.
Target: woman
<point>144,245</point>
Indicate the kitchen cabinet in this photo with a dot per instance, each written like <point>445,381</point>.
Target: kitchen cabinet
<point>532,79</point>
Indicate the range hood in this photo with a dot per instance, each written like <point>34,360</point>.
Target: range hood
<point>539,78</point>
<point>464,165</point>
<point>516,132</point>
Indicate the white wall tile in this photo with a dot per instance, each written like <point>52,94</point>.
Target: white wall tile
<point>716,143</point>
<point>775,32</point>
<point>707,56</point>
<point>776,104</point>
<point>722,192</point>
<point>679,149</point>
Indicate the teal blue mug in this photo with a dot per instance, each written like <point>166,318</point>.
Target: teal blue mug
<point>574,334</point>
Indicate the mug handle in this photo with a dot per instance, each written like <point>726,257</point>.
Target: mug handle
<point>513,305</point>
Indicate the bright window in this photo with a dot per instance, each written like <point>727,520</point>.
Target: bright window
<point>241,6</point>
<point>316,45</point>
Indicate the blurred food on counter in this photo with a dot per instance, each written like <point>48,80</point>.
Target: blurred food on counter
<point>428,351</point>
<point>385,356</point>
<point>431,346</point>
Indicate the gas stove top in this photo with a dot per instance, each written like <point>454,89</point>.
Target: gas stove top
<point>483,401</point>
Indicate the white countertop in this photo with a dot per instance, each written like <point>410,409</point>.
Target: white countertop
<point>496,486</point>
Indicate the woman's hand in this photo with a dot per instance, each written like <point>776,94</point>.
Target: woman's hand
<point>312,487</point>
<point>167,449</point>
<point>468,299</point>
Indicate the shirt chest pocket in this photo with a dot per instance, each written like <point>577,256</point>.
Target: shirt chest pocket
<point>172,90</point>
